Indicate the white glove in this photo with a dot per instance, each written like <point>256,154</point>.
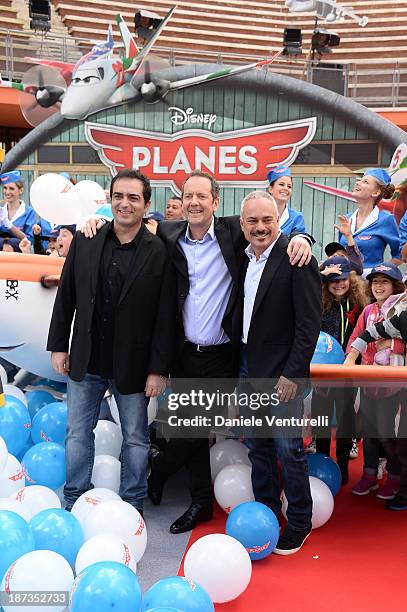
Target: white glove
<point>4,220</point>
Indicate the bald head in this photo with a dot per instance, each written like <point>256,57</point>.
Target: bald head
<point>259,220</point>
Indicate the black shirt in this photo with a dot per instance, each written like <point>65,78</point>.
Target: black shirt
<point>116,261</point>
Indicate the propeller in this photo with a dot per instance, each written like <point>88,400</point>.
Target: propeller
<point>44,88</point>
<point>152,79</point>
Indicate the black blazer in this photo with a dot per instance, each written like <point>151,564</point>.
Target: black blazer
<point>286,318</point>
<point>232,244</point>
<point>144,330</point>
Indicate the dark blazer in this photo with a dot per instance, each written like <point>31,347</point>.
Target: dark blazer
<point>144,329</point>
<point>286,318</point>
<point>232,244</point>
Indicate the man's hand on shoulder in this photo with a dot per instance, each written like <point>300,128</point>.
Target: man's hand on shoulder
<point>155,385</point>
<point>60,362</point>
<point>92,226</point>
<point>299,251</point>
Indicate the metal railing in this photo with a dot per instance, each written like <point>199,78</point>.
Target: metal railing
<point>378,83</point>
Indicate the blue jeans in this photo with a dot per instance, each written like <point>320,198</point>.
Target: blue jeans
<point>264,454</point>
<point>84,399</point>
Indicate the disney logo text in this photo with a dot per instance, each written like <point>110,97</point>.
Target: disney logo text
<point>181,117</point>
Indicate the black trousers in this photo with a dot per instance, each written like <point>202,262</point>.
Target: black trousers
<point>194,452</point>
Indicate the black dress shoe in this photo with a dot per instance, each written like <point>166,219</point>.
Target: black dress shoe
<point>195,514</point>
<point>156,480</point>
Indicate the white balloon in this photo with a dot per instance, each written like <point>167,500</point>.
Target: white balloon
<point>220,564</point>
<point>108,439</point>
<point>39,570</point>
<point>121,519</point>
<point>15,392</point>
<point>233,486</point>
<point>3,375</point>
<point>35,498</point>
<point>227,452</point>
<point>86,503</point>
<point>104,547</point>
<point>3,454</point>
<point>152,409</point>
<point>90,195</point>
<point>12,478</point>
<point>54,199</point>
<point>322,502</point>
<point>6,503</point>
<point>106,472</point>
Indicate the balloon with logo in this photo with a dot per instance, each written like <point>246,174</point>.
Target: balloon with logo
<point>87,502</point>
<point>3,454</point>
<point>177,593</point>
<point>121,519</point>
<point>49,424</point>
<point>15,424</point>
<point>12,478</point>
<point>233,486</point>
<point>29,444</point>
<point>15,392</point>
<point>6,503</point>
<point>36,498</point>
<point>328,350</point>
<point>256,527</point>
<point>16,539</point>
<point>91,196</point>
<point>54,199</point>
<point>105,211</point>
<point>44,464</point>
<point>220,564</point>
<point>104,547</point>
<point>106,586</point>
<point>39,570</point>
<point>106,472</point>
<point>37,400</point>
<point>227,452</point>
<point>58,530</point>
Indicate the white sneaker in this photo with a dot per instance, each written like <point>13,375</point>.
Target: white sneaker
<point>381,468</point>
<point>354,451</point>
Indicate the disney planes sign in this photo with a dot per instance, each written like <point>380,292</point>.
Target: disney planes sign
<point>239,158</point>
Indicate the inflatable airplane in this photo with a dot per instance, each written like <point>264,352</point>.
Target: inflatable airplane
<point>26,309</point>
<point>328,10</point>
<point>101,79</point>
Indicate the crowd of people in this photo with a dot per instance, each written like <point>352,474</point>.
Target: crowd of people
<point>197,296</point>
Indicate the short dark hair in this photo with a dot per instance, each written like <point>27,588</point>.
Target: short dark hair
<point>215,189</point>
<point>133,174</point>
<point>174,197</point>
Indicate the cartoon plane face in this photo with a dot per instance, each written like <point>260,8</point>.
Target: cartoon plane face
<point>25,311</point>
<point>92,86</point>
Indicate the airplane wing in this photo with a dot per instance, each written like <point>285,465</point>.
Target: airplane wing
<point>339,193</point>
<point>65,68</point>
<point>219,74</point>
<point>132,52</point>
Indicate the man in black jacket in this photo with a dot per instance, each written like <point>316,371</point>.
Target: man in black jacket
<point>280,308</point>
<point>208,254</point>
<point>120,289</point>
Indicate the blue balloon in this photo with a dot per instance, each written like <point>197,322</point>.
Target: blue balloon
<point>106,586</point>
<point>176,592</point>
<point>44,464</point>
<point>49,424</point>
<point>256,527</point>
<point>326,469</point>
<point>37,400</point>
<point>58,530</point>
<point>15,424</point>
<point>52,384</point>
<point>105,211</point>
<point>16,539</point>
<point>328,350</point>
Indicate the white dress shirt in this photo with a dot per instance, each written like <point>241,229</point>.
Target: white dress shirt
<point>251,283</point>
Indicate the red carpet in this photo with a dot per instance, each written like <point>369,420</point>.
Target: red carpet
<point>357,561</point>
